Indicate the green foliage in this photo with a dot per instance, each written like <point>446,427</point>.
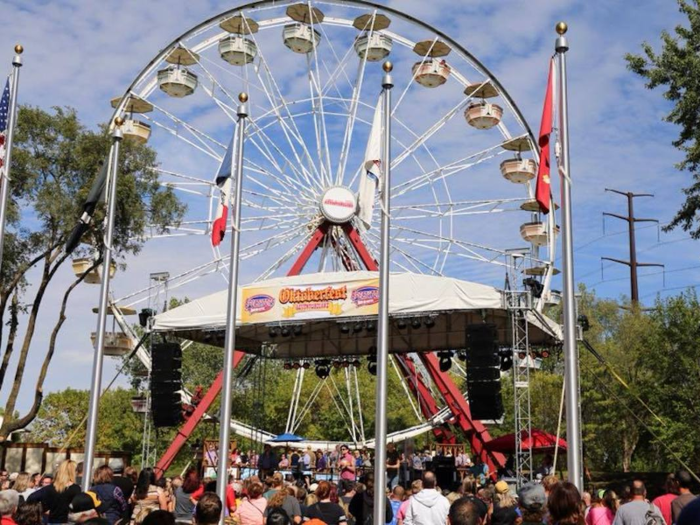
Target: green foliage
<point>677,69</point>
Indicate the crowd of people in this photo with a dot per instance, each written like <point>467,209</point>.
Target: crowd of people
<point>125,497</point>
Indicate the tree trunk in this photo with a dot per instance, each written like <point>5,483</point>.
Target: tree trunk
<point>14,323</point>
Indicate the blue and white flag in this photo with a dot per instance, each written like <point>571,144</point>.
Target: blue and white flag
<point>371,179</point>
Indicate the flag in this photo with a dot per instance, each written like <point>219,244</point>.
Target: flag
<point>4,114</point>
<point>371,177</point>
<point>96,195</point>
<point>543,187</point>
<point>224,182</point>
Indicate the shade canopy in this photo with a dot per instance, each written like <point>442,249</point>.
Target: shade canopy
<point>334,314</point>
<point>286,438</point>
<point>540,441</point>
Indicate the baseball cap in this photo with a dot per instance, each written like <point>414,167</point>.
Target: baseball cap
<point>502,487</point>
<point>531,496</point>
<point>313,487</point>
<point>85,501</point>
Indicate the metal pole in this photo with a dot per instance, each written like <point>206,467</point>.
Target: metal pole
<point>633,249</point>
<point>383,324</point>
<point>11,122</point>
<point>96,385</point>
<point>571,372</point>
<point>232,308</point>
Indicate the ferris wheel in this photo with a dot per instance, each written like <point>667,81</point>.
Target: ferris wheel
<point>463,157</point>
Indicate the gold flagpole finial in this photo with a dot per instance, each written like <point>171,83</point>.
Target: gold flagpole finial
<point>561,28</point>
<point>119,121</point>
<point>19,49</point>
<point>243,97</point>
<point>388,66</point>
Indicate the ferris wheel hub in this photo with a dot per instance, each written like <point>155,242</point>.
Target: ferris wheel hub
<point>338,204</point>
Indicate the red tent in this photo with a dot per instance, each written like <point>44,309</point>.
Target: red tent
<point>541,442</point>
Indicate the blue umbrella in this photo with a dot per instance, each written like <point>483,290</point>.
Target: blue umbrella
<point>286,438</point>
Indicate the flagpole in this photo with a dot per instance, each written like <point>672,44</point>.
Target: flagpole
<point>96,385</point>
<point>571,371</point>
<point>383,324</point>
<point>232,307</point>
<point>11,122</point>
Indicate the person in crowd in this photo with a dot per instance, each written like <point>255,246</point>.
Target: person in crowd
<point>565,505</point>
<point>603,508</point>
<point>309,459</point>
<point>284,462</point>
<point>23,485</point>
<point>416,487</point>
<point>57,497</point>
<point>46,480</point>
<point>393,463</point>
<point>124,482</point>
<point>185,500</point>
<point>9,501</point>
<point>251,511</point>
<point>159,517</point>
<point>396,500</point>
<point>685,496</point>
<point>362,504</point>
<point>464,512</point>
<point>283,499</point>
<point>428,506</point>
<point>321,461</point>
<point>267,462</point>
<point>638,509</point>
<point>325,510</point>
<point>114,505</point>
<point>480,470</point>
<point>690,515</point>
<point>404,470</point>
<point>504,505</point>
<point>85,508</point>
<point>275,483</point>
<point>208,509</point>
<point>147,496</point>
<point>587,500</point>
<point>278,516</point>
<point>36,480</point>
<point>417,466</point>
<point>29,514</point>
<point>546,468</point>
<point>664,501</point>
<point>531,503</point>
<point>346,464</point>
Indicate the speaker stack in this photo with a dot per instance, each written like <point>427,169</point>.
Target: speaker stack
<point>166,382</point>
<point>484,372</point>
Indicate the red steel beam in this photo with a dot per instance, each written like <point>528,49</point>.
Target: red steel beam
<point>309,249</point>
<point>476,432</point>
<point>360,247</point>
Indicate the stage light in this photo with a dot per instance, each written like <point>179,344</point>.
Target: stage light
<point>322,371</point>
<point>296,365</point>
<point>372,365</point>
<point>506,363</point>
<point>345,363</point>
<point>369,326</point>
<point>306,365</point>
<point>584,323</point>
<point>297,330</point>
<point>535,286</point>
<point>522,355</point>
<point>287,365</point>
<point>356,363</point>
<point>545,353</point>
<point>286,332</point>
<point>357,328</point>
<point>415,323</point>
<point>274,331</point>
<point>344,328</point>
<point>429,322</point>
<point>336,364</point>
<point>462,355</point>
<point>445,361</point>
<point>144,316</point>
<point>401,324</point>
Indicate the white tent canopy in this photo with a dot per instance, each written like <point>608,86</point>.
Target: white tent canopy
<point>334,314</point>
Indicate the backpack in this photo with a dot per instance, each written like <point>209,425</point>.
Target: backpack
<point>651,517</point>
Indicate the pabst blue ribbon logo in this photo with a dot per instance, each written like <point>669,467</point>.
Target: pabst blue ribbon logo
<point>259,303</point>
<point>365,296</point>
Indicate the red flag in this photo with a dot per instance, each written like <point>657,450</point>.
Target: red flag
<point>543,188</point>
<point>218,228</point>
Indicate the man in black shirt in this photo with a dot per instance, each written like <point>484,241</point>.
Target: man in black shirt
<point>392,466</point>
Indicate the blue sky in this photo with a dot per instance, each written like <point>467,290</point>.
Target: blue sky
<point>81,53</point>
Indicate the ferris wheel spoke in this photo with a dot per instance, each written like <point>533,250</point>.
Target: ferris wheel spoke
<point>204,148</point>
<point>283,259</point>
<point>414,262</point>
<point>290,186</point>
<point>274,194</point>
<point>412,81</point>
<point>271,242</point>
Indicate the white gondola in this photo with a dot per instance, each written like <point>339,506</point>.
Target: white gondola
<point>483,115</point>
<point>237,50</point>
<point>375,45</point>
<point>117,344</point>
<point>83,264</point>
<point>519,171</point>
<point>136,130</point>
<point>431,73</point>
<point>300,38</point>
<point>177,81</point>
<point>535,233</point>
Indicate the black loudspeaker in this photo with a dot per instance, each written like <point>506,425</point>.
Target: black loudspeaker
<point>445,472</point>
<point>484,372</point>
<point>166,381</point>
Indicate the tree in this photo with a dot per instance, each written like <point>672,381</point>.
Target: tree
<point>677,67</point>
<point>55,159</point>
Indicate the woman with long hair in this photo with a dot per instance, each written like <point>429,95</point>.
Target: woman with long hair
<point>147,496</point>
<point>504,505</point>
<point>283,499</point>
<point>564,505</point>
<point>325,510</point>
<point>251,511</point>
<point>23,485</point>
<point>56,498</point>
<point>114,505</point>
<point>603,509</point>
<point>184,496</point>
<point>29,514</point>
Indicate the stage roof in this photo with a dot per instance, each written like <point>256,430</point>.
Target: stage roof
<point>334,314</point>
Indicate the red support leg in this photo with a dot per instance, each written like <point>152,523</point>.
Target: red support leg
<point>309,249</point>
<point>186,430</point>
<point>476,432</point>
<point>360,247</point>
<point>426,402</point>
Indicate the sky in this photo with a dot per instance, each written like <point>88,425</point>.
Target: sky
<point>81,53</point>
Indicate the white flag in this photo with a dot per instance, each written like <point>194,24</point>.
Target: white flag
<point>371,177</point>
<point>224,181</point>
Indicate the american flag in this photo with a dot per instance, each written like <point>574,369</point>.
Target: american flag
<point>4,110</point>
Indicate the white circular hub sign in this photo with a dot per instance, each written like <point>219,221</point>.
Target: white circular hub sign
<point>338,204</point>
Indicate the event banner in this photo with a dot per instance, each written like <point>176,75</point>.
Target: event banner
<point>264,304</point>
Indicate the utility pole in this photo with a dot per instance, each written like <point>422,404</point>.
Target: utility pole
<point>631,220</point>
